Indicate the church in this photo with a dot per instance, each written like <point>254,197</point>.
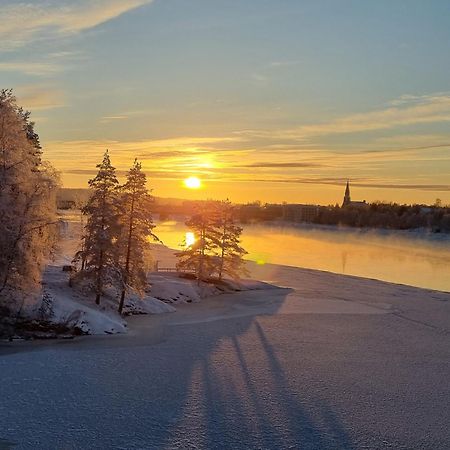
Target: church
<point>348,201</point>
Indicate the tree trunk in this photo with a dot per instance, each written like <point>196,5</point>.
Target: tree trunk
<point>99,279</point>
<point>222,256</point>
<point>127,262</point>
<point>100,260</point>
<point>201,257</point>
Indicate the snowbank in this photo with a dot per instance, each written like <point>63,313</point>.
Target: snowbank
<point>173,288</point>
<point>146,305</point>
<point>63,305</point>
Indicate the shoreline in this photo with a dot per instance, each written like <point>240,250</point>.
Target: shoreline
<point>162,251</point>
<point>415,233</point>
<point>311,286</point>
<point>290,290</point>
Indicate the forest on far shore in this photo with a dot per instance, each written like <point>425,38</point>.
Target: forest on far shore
<point>389,215</point>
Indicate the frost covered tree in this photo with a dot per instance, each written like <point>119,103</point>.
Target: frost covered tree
<point>27,205</point>
<point>137,227</point>
<point>228,241</point>
<point>99,254</point>
<point>200,255</point>
<point>217,249</point>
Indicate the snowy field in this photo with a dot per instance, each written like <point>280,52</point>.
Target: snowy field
<point>326,362</point>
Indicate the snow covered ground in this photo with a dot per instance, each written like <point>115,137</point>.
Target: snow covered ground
<point>326,362</point>
<point>74,309</point>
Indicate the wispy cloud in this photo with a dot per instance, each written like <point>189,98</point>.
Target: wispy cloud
<point>31,68</point>
<point>49,65</point>
<point>414,141</point>
<point>409,110</point>
<point>234,160</point>
<point>40,97</point>
<point>150,150</point>
<point>260,79</point>
<point>357,183</point>
<point>125,115</point>
<point>109,119</point>
<point>290,63</point>
<point>427,109</point>
<point>273,165</point>
<point>23,22</point>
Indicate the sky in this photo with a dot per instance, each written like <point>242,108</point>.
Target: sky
<point>270,100</point>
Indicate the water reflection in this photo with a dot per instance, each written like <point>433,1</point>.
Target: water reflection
<point>400,257</point>
<point>189,238</point>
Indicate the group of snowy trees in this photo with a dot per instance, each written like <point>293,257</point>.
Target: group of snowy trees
<point>116,237</point>
<point>27,206</point>
<point>115,242</point>
<point>119,227</point>
<point>216,250</point>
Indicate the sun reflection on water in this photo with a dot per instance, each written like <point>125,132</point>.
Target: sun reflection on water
<point>190,238</point>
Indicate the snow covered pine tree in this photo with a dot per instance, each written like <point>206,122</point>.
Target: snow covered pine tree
<point>137,226</point>
<point>228,241</point>
<point>216,249</point>
<point>199,256</point>
<point>99,254</point>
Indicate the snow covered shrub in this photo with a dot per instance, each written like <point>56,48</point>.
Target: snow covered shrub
<point>46,311</point>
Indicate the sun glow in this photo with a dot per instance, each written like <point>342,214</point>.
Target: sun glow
<point>190,239</point>
<point>192,183</point>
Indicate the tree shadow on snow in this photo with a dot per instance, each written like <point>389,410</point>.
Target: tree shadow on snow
<point>218,384</point>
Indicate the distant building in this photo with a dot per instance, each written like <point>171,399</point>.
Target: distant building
<point>300,213</point>
<point>348,200</point>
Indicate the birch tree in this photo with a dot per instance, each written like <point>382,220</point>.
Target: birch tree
<point>27,204</point>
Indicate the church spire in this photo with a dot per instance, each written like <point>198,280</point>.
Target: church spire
<point>347,199</point>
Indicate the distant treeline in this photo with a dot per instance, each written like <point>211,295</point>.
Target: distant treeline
<point>375,215</point>
<point>388,215</point>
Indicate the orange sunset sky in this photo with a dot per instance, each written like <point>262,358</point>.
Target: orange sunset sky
<point>269,100</point>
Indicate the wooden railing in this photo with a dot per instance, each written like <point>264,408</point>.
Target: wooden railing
<point>173,269</point>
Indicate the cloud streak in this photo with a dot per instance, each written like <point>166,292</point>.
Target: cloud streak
<point>293,165</point>
<point>341,182</point>
<point>427,110</point>
<point>31,68</point>
<point>24,22</point>
<point>409,110</point>
<point>40,97</point>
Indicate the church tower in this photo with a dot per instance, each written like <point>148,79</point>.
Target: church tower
<point>347,199</point>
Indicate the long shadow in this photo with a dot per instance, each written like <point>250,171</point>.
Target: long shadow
<point>254,407</point>
<point>208,385</point>
<point>246,402</point>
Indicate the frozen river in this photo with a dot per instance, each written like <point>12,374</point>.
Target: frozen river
<point>332,363</point>
<point>412,258</point>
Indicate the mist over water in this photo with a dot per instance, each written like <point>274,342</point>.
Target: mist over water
<point>413,258</point>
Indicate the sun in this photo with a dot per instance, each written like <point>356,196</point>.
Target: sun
<point>192,183</point>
